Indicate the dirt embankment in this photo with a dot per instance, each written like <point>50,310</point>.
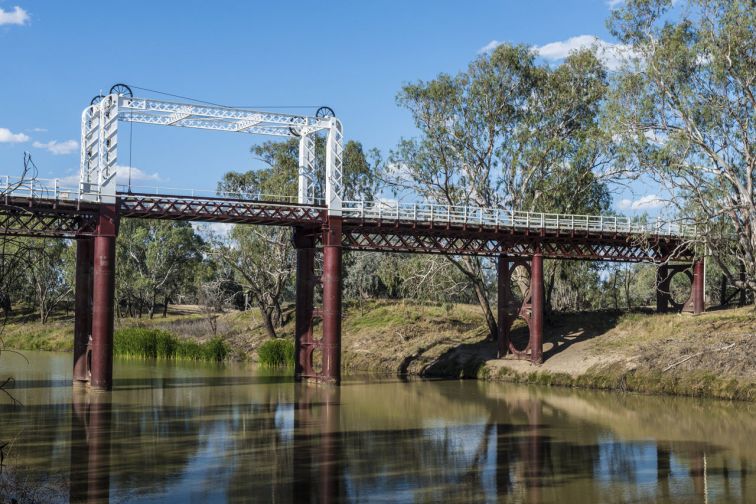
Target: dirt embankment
<point>712,355</point>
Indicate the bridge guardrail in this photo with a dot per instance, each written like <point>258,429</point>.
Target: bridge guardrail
<point>497,217</point>
<point>431,213</point>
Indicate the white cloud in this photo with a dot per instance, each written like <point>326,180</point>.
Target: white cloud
<point>137,175</point>
<point>58,148</point>
<point>7,136</point>
<point>122,177</point>
<point>490,46</point>
<point>612,55</point>
<point>39,130</point>
<point>646,202</point>
<point>17,16</point>
<point>613,3</point>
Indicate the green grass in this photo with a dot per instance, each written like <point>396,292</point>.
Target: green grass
<point>156,344</point>
<point>276,352</point>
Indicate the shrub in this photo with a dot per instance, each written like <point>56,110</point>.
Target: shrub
<point>157,344</point>
<point>277,352</point>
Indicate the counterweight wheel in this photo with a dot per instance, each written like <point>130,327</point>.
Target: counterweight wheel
<point>97,99</point>
<point>324,112</point>
<point>121,90</point>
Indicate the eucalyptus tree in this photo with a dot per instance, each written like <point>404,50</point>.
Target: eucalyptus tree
<point>155,260</point>
<point>507,132</point>
<point>684,109</point>
<point>262,257</point>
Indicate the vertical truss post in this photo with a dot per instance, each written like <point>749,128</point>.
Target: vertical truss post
<point>334,175</point>
<point>331,346</point>
<point>306,191</point>
<point>103,294</point>
<point>663,281</point>
<point>698,287</point>
<point>99,151</point>
<point>304,242</point>
<point>504,295</point>
<point>536,303</point>
<point>83,309</point>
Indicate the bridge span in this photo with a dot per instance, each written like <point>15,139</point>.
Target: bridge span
<point>89,212</point>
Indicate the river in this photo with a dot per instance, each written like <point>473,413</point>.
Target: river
<point>185,432</point>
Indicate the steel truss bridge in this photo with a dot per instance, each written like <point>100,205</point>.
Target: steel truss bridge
<point>89,212</point>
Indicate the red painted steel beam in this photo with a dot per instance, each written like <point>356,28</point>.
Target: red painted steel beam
<point>103,294</point>
<point>698,288</point>
<point>536,303</point>
<point>304,242</point>
<point>83,308</point>
<point>331,345</point>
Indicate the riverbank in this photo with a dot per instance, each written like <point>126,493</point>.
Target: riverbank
<point>710,355</point>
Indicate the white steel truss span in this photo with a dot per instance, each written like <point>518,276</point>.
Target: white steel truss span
<point>99,140</point>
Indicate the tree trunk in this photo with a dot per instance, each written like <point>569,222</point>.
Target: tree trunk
<point>165,307</point>
<point>480,292</point>
<point>267,316</point>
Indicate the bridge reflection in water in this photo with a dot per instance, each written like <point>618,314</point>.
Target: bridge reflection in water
<point>182,432</point>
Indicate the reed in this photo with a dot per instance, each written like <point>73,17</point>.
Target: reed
<point>157,344</point>
<point>276,352</point>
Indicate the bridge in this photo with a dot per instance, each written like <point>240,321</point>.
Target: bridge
<point>90,211</point>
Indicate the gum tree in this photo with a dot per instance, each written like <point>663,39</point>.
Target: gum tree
<point>684,110</point>
<point>509,133</point>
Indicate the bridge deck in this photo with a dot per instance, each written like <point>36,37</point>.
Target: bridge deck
<point>383,225</point>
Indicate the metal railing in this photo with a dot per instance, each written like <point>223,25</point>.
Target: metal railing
<point>497,218</point>
<point>430,213</point>
<point>39,188</point>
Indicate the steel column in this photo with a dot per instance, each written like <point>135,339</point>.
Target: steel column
<point>83,309</point>
<point>103,294</point>
<point>331,345</point>
<point>663,281</point>
<point>698,287</point>
<point>305,286</point>
<point>536,303</point>
<point>503,293</point>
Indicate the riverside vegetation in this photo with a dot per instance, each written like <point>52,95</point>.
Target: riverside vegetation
<point>710,355</point>
<point>509,131</point>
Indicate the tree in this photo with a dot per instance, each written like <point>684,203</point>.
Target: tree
<point>507,133</point>
<point>45,275</point>
<point>155,259</point>
<point>684,110</point>
<point>262,257</point>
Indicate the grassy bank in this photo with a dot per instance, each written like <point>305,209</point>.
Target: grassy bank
<point>157,344</point>
<point>712,355</point>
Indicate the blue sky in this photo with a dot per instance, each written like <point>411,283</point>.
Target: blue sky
<point>352,56</point>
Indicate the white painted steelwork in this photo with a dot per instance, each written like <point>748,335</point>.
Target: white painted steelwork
<point>99,140</point>
<point>430,213</point>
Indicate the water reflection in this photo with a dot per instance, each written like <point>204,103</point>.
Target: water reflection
<point>89,471</point>
<point>205,434</point>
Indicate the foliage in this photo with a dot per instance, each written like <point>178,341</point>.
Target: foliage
<point>507,132</point>
<point>684,110</point>
<point>156,344</point>
<point>154,261</point>
<point>276,352</point>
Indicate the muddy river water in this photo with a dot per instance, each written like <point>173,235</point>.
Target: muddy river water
<point>183,432</point>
